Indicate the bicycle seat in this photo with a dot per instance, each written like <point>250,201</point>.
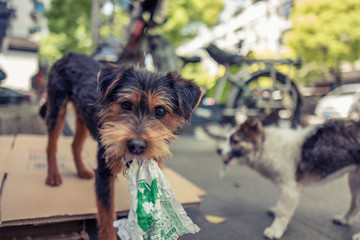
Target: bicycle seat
<point>223,57</point>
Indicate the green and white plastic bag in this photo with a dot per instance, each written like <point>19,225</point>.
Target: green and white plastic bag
<point>154,213</point>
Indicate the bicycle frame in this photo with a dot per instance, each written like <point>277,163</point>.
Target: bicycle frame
<point>240,78</point>
<point>141,44</point>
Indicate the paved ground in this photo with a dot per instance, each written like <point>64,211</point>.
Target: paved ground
<point>245,207</point>
<point>243,198</point>
<point>21,118</point>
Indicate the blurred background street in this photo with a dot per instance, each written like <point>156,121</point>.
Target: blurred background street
<point>288,62</point>
<point>241,199</point>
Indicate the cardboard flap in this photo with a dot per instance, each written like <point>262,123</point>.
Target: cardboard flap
<point>28,197</point>
<point>29,155</point>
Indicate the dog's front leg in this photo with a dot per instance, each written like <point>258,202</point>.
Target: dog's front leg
<point>104,184</point>
<point>354,185</point>
<point>284,210</point>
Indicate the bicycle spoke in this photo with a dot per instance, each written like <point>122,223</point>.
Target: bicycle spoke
<point>267,100</point>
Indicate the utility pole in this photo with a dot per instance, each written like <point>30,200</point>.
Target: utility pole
<point>95,19</point>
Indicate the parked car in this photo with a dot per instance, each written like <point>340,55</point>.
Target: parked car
<point>338,103</point>
<point>354,112</point>
<point>8,95</point>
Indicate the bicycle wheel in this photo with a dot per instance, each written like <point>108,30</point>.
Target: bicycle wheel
<point>219,127</point>
<point>269,101</point>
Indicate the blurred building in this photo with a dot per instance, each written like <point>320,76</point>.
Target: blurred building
<point>245,25</point>
<point>258,25</point>
<point>19,45</point>
<point>253,25</point>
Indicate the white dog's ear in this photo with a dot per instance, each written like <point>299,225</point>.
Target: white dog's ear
<point>253,123</point>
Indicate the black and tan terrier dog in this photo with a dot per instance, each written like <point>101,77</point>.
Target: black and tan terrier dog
<point>132,113</point>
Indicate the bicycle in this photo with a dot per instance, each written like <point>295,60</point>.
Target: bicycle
<point>140,44</point>
<point>265,93</point>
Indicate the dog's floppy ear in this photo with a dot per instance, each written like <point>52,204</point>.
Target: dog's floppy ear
<point>188,93</point>
<point>108,78</point>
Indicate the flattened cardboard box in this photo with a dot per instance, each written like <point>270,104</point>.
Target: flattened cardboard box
<point>6,143</point>
<point>26,199</point>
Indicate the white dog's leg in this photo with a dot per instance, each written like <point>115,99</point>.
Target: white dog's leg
<point>356,236</point>
<point>284,210</point>
<point>271,211</point>
<point>354,185</point>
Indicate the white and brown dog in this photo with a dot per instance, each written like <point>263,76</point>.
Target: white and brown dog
<point>290,158</point>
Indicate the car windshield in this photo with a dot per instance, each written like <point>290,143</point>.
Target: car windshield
<point>345,90</point>
<point>347,93</point>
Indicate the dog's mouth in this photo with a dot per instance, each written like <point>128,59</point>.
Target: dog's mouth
<point>129,162</point>
<point>232,155</point>
<point>227,160</point>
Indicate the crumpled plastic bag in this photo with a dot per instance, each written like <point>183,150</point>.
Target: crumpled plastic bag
<point>154,213</point>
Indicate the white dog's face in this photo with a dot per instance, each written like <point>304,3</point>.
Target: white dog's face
<point>242,141</point>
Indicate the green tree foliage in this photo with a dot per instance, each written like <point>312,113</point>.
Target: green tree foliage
<point>185,15</point>
<point>182,19</point>
<point>69,24</point>
<point>114,25</point>
<point>325,33</point>
<point>69,27</point>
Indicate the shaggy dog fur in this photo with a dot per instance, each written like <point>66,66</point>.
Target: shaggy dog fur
<point>291,158</point>
<point>132,113</point>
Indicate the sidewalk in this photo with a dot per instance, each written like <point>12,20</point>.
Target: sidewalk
<point>243,197</point>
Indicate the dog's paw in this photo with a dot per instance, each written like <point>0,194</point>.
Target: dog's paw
<point>356,236</point>
<point>273,233</point>
<point>340,220</point>
<point>84,173</point>
<point>53,179</point>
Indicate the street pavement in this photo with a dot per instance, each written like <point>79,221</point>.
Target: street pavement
<point>243,197</point>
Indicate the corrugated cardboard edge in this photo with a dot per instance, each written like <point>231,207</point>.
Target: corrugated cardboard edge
<point>6,146</point>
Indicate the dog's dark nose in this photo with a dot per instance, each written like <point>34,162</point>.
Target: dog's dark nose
<point>136,146</point>
<point>219,151</point>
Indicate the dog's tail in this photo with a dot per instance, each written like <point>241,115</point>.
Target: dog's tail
<point>59,90</point>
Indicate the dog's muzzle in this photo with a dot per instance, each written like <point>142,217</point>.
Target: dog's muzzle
<point>226,160</point>
<point>136,146</point>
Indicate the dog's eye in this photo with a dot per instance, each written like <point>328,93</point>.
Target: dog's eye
<point>160,112</point>
<point>234,141</point>
<point>126,106</point>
